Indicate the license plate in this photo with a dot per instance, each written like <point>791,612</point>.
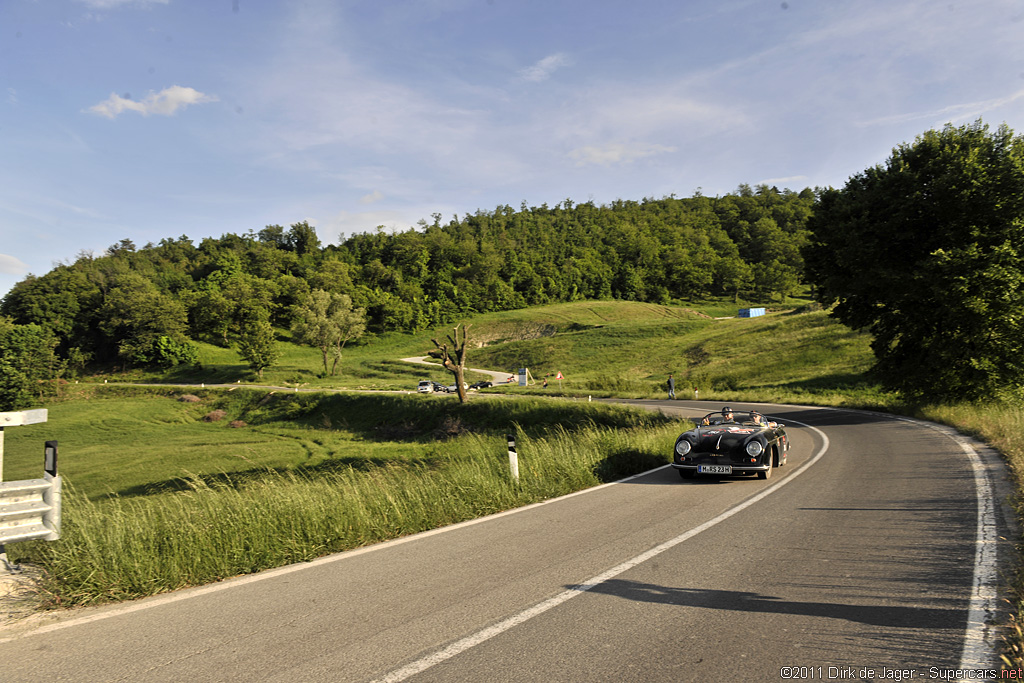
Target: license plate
<point>715,469</point>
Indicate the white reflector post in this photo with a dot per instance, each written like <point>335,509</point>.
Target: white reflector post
<point>513,458</point>
<point>50,458</point>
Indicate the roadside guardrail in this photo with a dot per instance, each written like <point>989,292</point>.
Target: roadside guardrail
<point>30,508</point>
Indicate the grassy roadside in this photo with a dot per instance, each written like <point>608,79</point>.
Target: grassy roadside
<point>307,475</point>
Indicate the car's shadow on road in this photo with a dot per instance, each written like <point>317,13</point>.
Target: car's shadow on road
<point>744,601</point>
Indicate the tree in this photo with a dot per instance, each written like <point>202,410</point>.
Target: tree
<point>257,345</point>
<point>732,275</point>
<point>273,235</point>
<point>326,321</point>
<point>27,363</point>
<point>351,324</point>
<point>302,239</point>
<point>57,301</point>
<point>926,253</point>
<point>211,313</point>
<point>125,246</point>
<point>145,326</point>
<point>454,359</point>
<point>775,278</point>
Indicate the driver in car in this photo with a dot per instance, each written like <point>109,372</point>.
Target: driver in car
<point>727,416</point>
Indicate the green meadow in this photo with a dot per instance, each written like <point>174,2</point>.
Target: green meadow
<point>602,348</point>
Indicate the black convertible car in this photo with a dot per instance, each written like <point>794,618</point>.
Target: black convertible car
<point>731,443</point>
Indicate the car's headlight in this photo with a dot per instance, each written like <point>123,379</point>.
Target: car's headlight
<point>683,447</point>
<point>754,448</point>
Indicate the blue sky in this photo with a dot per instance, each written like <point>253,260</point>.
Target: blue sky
<point>146,119</point>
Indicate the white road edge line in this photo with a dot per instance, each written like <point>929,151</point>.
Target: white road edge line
<point>486,634</point>
<point>977,645</point>
<point>980,634</point>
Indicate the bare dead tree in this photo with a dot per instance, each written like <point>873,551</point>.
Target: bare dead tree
<point>454,359</point>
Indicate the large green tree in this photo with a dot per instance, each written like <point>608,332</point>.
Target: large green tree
<point>925,252</point>
<point>28,363</point>
<point>327,321</point>
<point>145,325</point>
<point>257,344</point>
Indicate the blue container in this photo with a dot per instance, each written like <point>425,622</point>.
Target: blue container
<point>751,312</point>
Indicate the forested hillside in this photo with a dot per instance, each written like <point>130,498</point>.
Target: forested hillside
<point>144,306</point>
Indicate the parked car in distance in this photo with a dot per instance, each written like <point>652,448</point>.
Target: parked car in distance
<point>481,385</point>
<point>454,389</point>
<point>425,386</point>
<point>731,443</point>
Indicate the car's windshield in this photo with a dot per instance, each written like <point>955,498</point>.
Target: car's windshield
<point>735,417</point>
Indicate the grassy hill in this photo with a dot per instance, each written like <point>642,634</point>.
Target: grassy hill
<point>629,349</point>
<point>602,348</point>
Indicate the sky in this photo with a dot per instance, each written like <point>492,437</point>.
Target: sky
<point>153,119</point>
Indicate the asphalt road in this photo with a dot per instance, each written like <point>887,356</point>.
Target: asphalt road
<point>859,555</point>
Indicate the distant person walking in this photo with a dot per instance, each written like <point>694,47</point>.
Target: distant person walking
<point>671,387</point>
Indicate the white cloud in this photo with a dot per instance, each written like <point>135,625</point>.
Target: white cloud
<point>374,196</point>
<point>786,182</point>
<point>325,113</point>
<point>351,223</point>
<point>543,69</point>
<point>675,111</point>
<point>165,103</point>
<point>614,153</point>
<point>12,266</point>
<point>954,113</point>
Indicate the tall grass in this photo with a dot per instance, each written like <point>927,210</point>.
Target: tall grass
<point>999,425</point>
<point>128,547</point>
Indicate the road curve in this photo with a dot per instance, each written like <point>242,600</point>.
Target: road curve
<point>497,376</point>
<point>860,554</point>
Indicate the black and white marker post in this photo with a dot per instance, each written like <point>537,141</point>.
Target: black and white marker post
<point>513,457</point>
